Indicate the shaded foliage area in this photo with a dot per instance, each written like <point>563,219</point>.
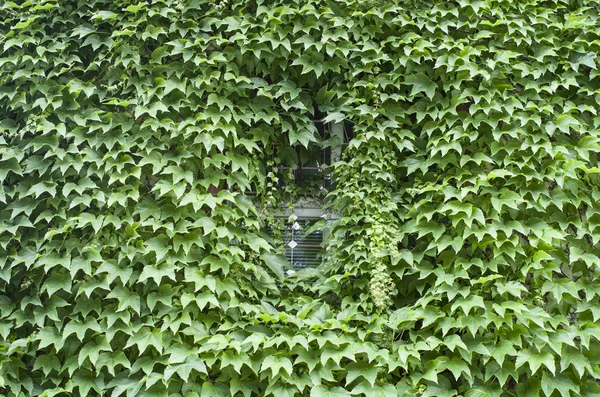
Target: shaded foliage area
<point>137,145</point>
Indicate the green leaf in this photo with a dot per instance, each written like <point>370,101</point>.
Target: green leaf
<point>236,361</point>
<point>502,349</point>
<point>361,369</point>
<point>47,363</point>
<point>159,245</point>
<point>561,288</point>
<point>275,364</point>
<point>56,282</point>
<point>144,338</point>
<point>205,298</point>
<point>50,336</point>
<point>126,298</point>
<point>91,350</point>
<point>112,361</point>
<point>572,357</point>
<point>104,15</point>
<point>302,135</point>
<point>560,383</point>
<point>276,263</point>
<point>210,389</point>
<point>375,391</point>
<point>421,83</point>
<point>135,8</point>
<point>458,367</point>
<point>324,391</point>
<point>467,304</point>
<point>185,368</point>
<point>280,390</point>
<point>565,121</point>
<point>482,391</point>
<point>535,360</point>
<point>157,273</point>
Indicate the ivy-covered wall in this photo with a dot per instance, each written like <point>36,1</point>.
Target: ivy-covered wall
<point>134,260</point>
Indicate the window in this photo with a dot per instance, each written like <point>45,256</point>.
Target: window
<point>304,231</point>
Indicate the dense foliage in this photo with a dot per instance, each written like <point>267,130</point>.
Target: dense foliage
<point>133,258</point>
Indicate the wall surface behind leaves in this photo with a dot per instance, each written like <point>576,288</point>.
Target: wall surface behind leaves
<point>138,146</point>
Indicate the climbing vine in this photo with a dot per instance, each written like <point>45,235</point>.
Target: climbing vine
<point>146,146</point>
